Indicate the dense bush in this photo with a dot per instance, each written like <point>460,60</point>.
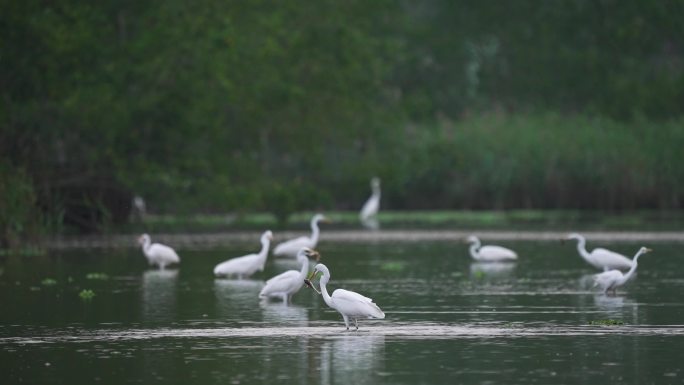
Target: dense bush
<point>234,106</point>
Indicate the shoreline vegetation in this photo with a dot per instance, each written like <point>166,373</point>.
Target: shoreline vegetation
<point>243,108</point>
<point>220,230</point>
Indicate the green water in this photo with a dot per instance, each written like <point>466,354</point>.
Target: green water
<point>448,320</point>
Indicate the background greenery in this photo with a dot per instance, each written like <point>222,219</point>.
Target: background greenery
<point>222,106</point>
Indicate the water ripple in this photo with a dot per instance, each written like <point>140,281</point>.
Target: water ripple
<point>400,331</point>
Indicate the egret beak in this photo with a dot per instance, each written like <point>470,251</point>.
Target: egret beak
<point>326,220</point>
<point>648,250</point>
<point>311,286</point>
<point>315,255</point>
<point>312,275</point>
<point>308,282</point>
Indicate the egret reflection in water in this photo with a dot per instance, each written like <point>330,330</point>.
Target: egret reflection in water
<point>356,357</point>
<point>159,295</point>
<point>232,295</point>
<point>371,223</point>
<point>283,313</point>
<point>491,269</point>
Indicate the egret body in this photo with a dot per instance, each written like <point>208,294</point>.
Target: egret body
<point>611,279</point>
<point>348,303</point>
<point>291,248</point>
<point>156,253</point>
<point>489,253</point>
<point>286,284</point>
<point>372,205</point>
<point>600,258</point>
<point>245,266</point>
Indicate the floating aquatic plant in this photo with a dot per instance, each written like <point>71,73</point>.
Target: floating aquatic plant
<point>97,276</point>
<point>48,282</point>
<point>86,294</point>
<point>393,266</point>
<point>606,322</point>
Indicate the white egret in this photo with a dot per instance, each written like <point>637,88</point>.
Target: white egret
<point>245,266</point>
<point>600,258</point>
<point>611,279</point>
<point>286,284</point>
<point>489,253</point>
<point>156,253</point>
<point>348,303</point>
<point>291,248</point>
<point>372,205</point>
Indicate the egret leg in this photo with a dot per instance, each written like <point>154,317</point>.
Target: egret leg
<point>356,323</point>
<point>346,321</point>
<point>285,298</point>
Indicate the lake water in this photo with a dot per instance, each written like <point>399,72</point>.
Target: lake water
<point>449,320</point>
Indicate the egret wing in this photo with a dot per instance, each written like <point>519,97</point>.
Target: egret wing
<point>238,265</point>
<point>496,253</point>
<point>611,259</point>
<point>292,246</point>
<point>159,251</point>
<point>355,304</point>
<point>281,283</point>
<point>607,278</point>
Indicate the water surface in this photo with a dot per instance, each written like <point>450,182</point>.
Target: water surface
<point>448,319</point>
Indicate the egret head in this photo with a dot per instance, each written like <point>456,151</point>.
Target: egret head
<point>375,182</point>
<point>143,239</point>
<point>306,252</point>
<point>267,235</point>
<point>644,250</point>
<point>472,239</point>
<point>319,269</point>
<point>320,218</point>
<point>572,236</point>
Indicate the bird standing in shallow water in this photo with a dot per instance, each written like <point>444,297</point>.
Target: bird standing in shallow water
<point>286,284</point>
<point>372,205</point>
<point>156,253</point>
<point>610,280</point>
<point>291,248</point>
<point>348,303</point>
<point>245,266</point>
<point>489,253</point>
<point>600,258</point>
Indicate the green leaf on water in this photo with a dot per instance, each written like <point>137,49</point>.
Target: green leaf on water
<point>86,294</point>
<point>393,266</point>
<point>97,276</point>
<point>48,282</point>
<point>606,322</point>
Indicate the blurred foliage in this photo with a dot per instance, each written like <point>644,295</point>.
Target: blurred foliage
<point>281,106</point>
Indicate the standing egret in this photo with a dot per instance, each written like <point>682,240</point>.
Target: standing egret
<point>291,248</point>
<point>244,266</point>
<point>489,253</point>
<point>286,284</point>
<point>611,279</point>
<point>156,253</point>
<point>348,303</point>
<point>372,205</point>
<point>600,258</point>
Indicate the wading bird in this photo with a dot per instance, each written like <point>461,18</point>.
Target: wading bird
<point>611,279</point>
<point>286,284</point>
<point>291,248</point>
<point>156,253</point>
<point>372,205</point>
<point>489,253</point>
<point>600,258</point>
<point>348,303</point>
<point>245,266</point>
